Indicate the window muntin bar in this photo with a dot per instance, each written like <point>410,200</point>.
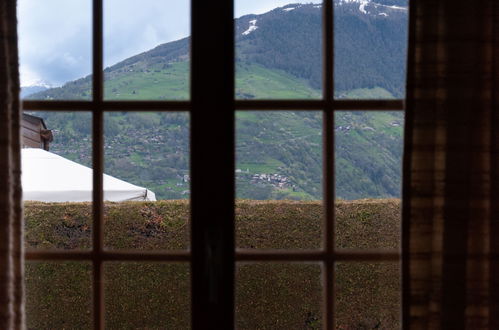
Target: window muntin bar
<point>328,158</point>
<point>241,105</point>
<point>240,255</point>
<point>212,146</point>
<point>98,164</point>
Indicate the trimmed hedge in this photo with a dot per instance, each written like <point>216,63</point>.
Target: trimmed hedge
<point>268,296</point>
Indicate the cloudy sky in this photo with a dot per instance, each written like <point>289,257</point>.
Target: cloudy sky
<point>55,35</point>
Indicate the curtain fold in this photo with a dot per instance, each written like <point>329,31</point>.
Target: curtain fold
<point>451,167</point>
<point>11,228</point>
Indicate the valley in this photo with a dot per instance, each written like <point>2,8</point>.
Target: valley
<point>278,154</point>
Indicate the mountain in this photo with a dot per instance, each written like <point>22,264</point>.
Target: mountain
<point>26,91</point>
<point>278,55</point>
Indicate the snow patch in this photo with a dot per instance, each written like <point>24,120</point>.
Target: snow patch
<point>298,5</point>
<point>38,83</point>
<point>391,7</point>
<point>383,14</point>
<point>252,27</point>
<point>396,7</point>
<point>362,4</point>
<point>362,8</point>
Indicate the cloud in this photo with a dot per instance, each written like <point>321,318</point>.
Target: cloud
<point>133,26</point>
<point>244,7</point>
<point>55,35</point>
<point>54,40</point>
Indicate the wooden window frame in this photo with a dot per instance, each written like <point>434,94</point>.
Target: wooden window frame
<point>213,255</point>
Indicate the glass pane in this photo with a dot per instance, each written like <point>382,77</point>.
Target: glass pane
<point>367,296</point>
<point>55,49</point>
<point>147,170</point>
<point>370,46</point>
<point>147,296</point>
<point>368,173</point>
<point>278,296</point>
<point>57,179</point>
<point>279,179</point>
<point>278,50</point>
<point>146,49</point>
<point>58,295</point>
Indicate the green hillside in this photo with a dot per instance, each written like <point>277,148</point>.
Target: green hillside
<point>279,154</point>
<point>151,149</point>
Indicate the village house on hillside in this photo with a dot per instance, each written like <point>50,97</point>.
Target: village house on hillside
<point>35,133</point>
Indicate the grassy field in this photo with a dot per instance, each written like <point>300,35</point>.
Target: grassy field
<point>268,295</point>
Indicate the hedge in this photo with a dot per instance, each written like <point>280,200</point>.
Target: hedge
<point>268,295</point>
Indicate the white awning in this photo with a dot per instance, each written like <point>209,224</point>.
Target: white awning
<point>48,177</point>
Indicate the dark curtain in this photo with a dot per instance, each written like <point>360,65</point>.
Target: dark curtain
<point>451,167</point>
<point>11,247</point>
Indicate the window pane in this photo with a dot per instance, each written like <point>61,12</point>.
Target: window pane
<point>147,296</point>
<point>368,178</point>
<point>278,296</point>
<point>55,49</point>
<point>147,167</point>
<point>367,295</point>
<point>278,50</point>
<point>57,179</point>
<point>279,163</point>
<point>146,49</point>
<point>370,40</point>
<point>368,224</point>
<point>58,295</point>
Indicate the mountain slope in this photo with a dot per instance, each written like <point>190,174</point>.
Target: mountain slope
<point>370,51</point>
<point>278,153</point>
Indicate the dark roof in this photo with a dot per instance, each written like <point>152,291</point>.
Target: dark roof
<point>32,118</point>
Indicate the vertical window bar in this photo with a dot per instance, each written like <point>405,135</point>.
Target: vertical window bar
<point>212,164</point>
<point>97,160</point>
<point>328,150</point>
<point>406,174</point>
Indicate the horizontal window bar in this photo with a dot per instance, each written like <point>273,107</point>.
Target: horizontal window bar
<point>241,255</point>
<point>373,105</point>
<point>53,105</point>
<point>319,105</point>
<point>253,105</point>
<point>256,105</point>
<point>288,255</point>
<point>108,256</point>
<point>146,105</point>
<point>368,256</point>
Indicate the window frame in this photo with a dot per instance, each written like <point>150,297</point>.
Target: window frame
<point>212,227</point>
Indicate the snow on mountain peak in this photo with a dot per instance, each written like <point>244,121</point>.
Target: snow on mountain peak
<point>362,4</point>
<point>37,83</point>
<point>252,27</point>
<point>372,4</point>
